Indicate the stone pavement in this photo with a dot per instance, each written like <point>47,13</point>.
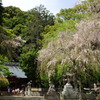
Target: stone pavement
<point>21,98</point>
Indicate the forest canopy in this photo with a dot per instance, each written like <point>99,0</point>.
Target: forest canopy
<point>50,46</point>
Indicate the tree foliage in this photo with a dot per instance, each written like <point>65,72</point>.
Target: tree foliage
<point>39,17</point>
<point>3,81</point>
<point>28,63</point>
<point>76,52</point>
<point>67,43</point>
<point>1,10</point>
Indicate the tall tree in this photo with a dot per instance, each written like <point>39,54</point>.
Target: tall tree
<point>28,63</point>
<point>1,10</point>
<point>39,17</point>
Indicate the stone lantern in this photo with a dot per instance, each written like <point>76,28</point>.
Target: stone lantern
<point>68,91</point>
<point>29,88</point>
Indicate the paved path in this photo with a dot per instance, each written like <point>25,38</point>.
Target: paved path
<point>21,98</point>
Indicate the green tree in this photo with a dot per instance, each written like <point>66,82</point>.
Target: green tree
<point>69,14</point>
<point>28,63</point>
<point>1,10</point>
<point>12,26</point>
<point>14,16</point>
<point>3,36</point>
<point>38,18</point>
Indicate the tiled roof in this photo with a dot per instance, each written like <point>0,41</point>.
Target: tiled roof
<point>16,71</point>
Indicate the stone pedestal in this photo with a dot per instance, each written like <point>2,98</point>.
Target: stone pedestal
<point>28,89</point>
<point>69,93</point>
<point>52,94</point>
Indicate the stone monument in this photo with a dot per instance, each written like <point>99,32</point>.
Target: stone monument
<point>28,89</point>
<point>68,91</point>
<point>52,94</point>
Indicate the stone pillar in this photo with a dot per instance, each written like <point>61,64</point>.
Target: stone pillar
<point>29,89</point>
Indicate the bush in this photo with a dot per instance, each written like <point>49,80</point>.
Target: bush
<point>3,81</point>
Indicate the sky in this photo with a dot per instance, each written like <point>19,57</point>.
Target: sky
<point>54,6</point>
